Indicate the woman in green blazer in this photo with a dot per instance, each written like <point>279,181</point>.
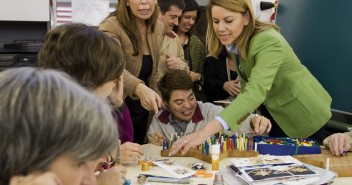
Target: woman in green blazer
<point>271,76</point>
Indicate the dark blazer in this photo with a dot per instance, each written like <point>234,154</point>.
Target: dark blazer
<point>215,75</point>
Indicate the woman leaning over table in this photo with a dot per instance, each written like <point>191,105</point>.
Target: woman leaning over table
<point>271,76</point>
<point>135,26</point>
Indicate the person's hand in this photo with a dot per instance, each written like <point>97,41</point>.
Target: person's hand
<point>150,100</point>
<point>172,62</point>
<point>232,87</point>
<point>196,138</point>
<point>104,163</point>
<point>339,143</point>
<point>130,152</point>
<point>114,175</point>
<point>260,124</point>
<point>157,139</point>
<point>116,95</point>
<point>195,76</point>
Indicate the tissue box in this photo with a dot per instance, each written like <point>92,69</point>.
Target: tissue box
<point>286,146</point>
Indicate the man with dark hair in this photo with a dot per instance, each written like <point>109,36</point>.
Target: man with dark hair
<point>184,114</point>
<point>172,56</point>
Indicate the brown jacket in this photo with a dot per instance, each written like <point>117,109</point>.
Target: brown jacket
<point>112,27</point>
<point>172,47</point>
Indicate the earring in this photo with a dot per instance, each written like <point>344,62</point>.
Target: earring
<point>127,4</point>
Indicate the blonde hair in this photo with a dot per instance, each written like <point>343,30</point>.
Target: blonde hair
<point>254,26</point>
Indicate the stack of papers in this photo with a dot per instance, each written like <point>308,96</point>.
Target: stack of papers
<point>266,169</point>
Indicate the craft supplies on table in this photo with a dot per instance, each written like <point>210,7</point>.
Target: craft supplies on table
<point>237,145</point>
<point>286,146</point>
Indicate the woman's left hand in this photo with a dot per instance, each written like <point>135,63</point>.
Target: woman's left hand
<point>131,152</point>
<point>260,124</point>
<point>114,175</point>
<point>195,76</point>
<point>150,100</point>
<point>157,139</point>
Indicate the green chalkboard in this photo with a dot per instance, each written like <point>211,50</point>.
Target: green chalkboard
<point>320,32</point>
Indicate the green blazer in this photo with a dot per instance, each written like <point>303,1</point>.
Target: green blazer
<point>276,77</point>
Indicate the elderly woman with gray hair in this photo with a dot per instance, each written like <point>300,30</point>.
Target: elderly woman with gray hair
<point>52,131</point>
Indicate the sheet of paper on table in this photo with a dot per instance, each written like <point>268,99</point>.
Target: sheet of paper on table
<point>264,160</point>
<point>175,169</point>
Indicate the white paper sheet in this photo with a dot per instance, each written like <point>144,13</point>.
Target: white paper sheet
<point>90,12</point>
<point>262,160</point>
<point>176,169</point>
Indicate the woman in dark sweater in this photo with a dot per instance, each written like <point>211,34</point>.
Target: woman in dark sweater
<point>220,78</point>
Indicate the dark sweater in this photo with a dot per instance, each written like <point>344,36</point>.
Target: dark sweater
<point>215,75</point>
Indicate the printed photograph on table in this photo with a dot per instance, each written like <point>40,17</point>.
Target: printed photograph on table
<point>278,172</point>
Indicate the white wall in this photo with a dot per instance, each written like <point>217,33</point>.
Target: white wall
<point>24,10</point>
<point>202,2</point>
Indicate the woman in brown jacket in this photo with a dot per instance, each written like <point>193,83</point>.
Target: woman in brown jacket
<point>135,26</point>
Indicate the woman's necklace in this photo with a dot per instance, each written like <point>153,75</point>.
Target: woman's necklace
<point>183,39</point>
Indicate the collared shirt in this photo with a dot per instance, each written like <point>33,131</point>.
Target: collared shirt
<point>204,113</point>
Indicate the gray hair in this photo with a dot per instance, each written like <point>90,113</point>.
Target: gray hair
<point>44,114</point>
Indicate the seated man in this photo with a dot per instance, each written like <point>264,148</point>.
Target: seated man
<point>53,131</point>
<point>185,114</point>
<point>96,61</point>
<point>339,143</point>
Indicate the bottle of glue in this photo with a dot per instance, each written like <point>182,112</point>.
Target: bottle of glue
<point>215,157</point>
